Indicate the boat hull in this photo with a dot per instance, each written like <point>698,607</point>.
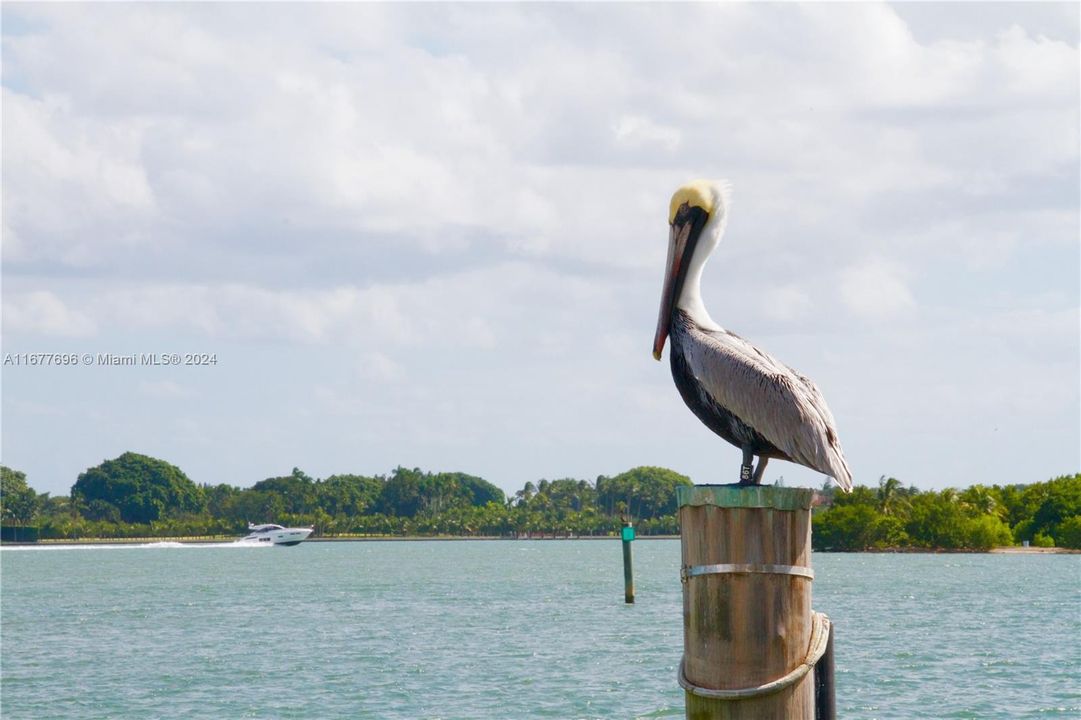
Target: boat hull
<point>285,537</point>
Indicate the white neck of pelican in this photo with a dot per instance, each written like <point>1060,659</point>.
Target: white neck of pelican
<point>690,298</point>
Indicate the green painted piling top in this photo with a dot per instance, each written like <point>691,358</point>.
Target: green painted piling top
<point>745,496</point>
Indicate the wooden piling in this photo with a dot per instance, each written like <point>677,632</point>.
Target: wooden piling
<point>825,694</point>
<point>750,637</point>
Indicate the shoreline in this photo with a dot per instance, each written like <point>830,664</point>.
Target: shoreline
<point>221,539</point>
<point>1000,550</point>
<point>373,538</point>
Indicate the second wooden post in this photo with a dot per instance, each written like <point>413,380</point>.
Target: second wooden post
<point>750,637</point>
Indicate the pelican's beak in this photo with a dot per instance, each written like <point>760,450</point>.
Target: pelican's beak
<point>682,238</point>
<point>677,245</point>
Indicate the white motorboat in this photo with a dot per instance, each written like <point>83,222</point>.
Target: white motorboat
<point>276,534</point>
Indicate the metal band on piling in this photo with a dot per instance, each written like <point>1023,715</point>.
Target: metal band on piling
<point>689,571</point>
<point>820,627</point>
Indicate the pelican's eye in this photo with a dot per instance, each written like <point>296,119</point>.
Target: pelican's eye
<point>690,216</point>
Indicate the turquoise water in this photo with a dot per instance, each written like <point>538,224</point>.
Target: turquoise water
<point>505,629</point>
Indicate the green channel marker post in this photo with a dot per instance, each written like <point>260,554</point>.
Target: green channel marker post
<point>627,534</point>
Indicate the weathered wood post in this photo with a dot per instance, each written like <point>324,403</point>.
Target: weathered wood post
<point>627,534</point>
<point>825,694</point>
<point>750,637</point>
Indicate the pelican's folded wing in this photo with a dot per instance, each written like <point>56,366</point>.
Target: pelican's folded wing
<point>783,406</point>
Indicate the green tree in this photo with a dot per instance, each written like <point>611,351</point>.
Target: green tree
<point>860,495</point>
<point>1061,501</point>
<point>254,506</point>
<point>98,510</point>
<point>404,493</point>
<point>141,488</point>
<point>1040,509</point>
<point>890,494</point>
<point>855,527</point>
<point>217,496</point>
<point>936,520</point>
<point>1018,503</point>
<point>1069,533</point>
<point>408,493</point>
<point>135,496</point>
<point>558,498</point>
<point>348,495</point>
<point>18,502</point>
<point>525,494</point>
<point>1042,541</point>
<point>982,500</point>
<point>894,516</point>
<point>646,492</point>
<point>296,491</point>
<point>985,532</point>
<point>479,491</point>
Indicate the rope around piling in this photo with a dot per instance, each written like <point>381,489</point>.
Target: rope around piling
<point>820,633</point>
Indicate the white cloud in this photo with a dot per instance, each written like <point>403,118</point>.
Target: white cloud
<point>1034,334</point>
<point>166,389</point>
<point>1035,67</point>
<point>478,309</point>
<point>479,232</point>
<point>787,303</point>
<point>377,367</point>
<point>876,290</point>
<point>74,187</point>
<point>636,130</point>
<point>43,313</point>
<point>198,127</point>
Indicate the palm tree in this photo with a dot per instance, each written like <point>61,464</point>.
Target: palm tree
<point>525,494</point>
<point>981,500</point>
<point>888,496</point>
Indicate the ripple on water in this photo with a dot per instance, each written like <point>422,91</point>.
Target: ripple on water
<point>498,630</point>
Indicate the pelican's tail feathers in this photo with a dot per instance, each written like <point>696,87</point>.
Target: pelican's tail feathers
<point>838,469</point>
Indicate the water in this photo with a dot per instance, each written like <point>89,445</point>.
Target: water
<point>499,630</point>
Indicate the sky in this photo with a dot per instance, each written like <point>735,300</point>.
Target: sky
<point>434,235</point>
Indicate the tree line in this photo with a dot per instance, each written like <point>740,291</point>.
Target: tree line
<point>139,496</point>
<point>891,516</point>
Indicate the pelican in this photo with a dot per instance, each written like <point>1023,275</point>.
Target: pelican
<point>739,391</point>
